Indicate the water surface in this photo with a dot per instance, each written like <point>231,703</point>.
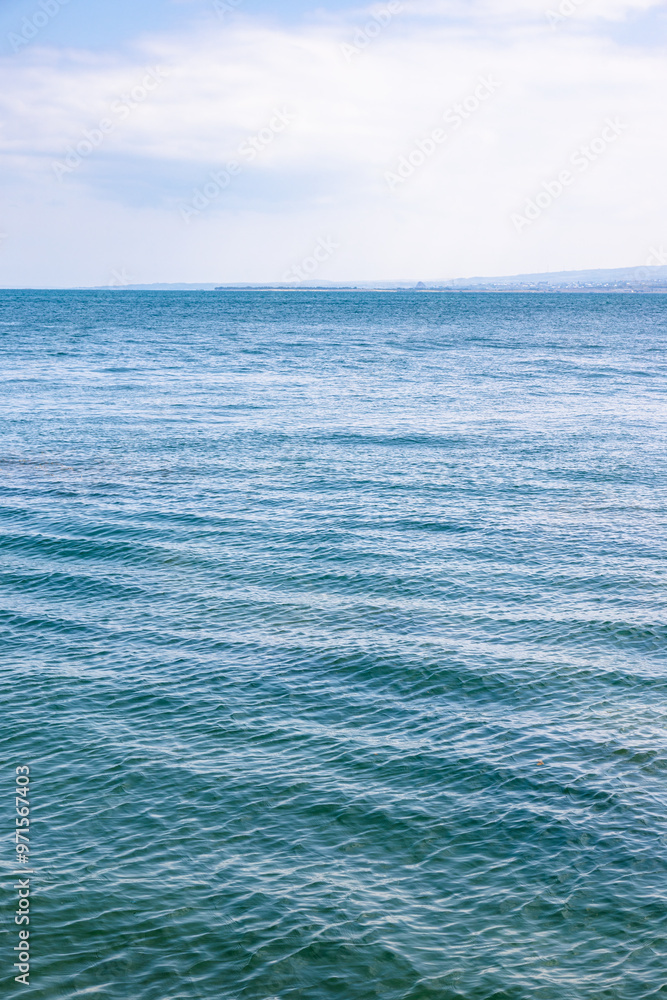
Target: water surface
<point>333,632</point>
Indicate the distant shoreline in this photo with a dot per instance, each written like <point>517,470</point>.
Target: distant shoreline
<point>473,290</point>
<point>455,291</point>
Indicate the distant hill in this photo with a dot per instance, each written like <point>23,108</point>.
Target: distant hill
<point>638,279</point>
<point>616,277</point>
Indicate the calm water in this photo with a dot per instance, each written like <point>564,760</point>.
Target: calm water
<point>333,632</point>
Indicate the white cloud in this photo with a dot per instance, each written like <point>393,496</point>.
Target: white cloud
<point>325,173</point>
<point>511,12</point>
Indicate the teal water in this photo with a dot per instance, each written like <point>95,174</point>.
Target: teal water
<point>298,590</point>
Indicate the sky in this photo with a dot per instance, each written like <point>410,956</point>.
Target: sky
<point>249,141</point>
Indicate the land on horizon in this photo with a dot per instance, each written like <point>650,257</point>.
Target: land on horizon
<point>619,279</point>
<point>649,279</point>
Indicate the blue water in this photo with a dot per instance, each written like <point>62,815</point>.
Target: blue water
<point>333,633</point>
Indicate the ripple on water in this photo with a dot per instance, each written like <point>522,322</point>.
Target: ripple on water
<point>335,641</point>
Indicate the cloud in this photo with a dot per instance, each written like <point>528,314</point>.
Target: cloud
<point>353,121</point>
<point>512,12</point>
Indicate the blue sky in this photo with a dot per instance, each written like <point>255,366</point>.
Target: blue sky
<point>100,25</point>
<point>420,139</point>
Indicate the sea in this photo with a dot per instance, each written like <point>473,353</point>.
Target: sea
<point>334,644</point>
